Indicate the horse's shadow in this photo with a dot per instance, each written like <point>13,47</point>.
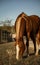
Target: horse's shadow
<point>31,54</point>
<point>26,56</point>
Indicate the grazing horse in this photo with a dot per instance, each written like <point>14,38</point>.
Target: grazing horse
<point>25,26</point>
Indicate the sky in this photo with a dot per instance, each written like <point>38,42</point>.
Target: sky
<point>10,9</point>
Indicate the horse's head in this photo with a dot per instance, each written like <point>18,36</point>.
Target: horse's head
<point>20,47</point>
<point>20,28</point>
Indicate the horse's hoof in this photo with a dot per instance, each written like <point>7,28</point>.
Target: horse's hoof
<point>36,54</point>
<point>28,55</point>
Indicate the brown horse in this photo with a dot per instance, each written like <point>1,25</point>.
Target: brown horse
<point>25,26</point>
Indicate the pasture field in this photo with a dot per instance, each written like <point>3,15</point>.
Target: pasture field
<point>7,55</point>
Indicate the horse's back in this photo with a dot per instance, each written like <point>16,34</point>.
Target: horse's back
<point>35,22</point>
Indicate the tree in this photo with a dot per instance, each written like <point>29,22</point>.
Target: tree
<point>6,23</point>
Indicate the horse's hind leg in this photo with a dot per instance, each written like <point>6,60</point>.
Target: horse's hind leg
<point>34,46</point>
<point>33,37</point>
<point>37,43</point>
<point>37,47</point>
<point>34,41</point>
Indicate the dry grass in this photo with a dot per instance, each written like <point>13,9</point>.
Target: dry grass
<point>7,56</point>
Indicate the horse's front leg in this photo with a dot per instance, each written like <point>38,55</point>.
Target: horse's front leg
<point>27,43</point>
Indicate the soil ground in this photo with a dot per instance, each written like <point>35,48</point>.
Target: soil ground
<point>7,55</point>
